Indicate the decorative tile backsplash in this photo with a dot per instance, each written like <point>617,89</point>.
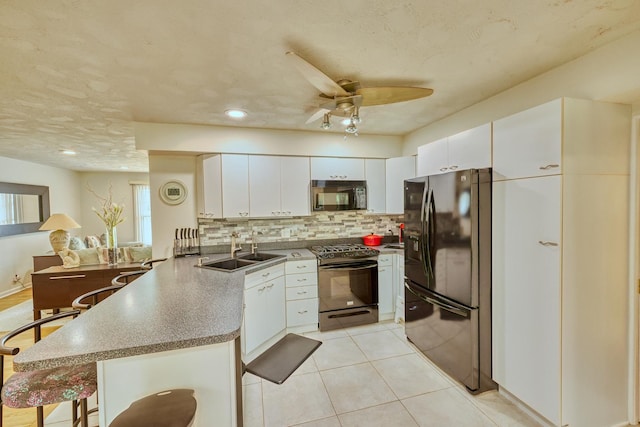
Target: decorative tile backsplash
<point>318,226</point>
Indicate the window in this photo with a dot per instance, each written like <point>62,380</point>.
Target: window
<point>142,213</point>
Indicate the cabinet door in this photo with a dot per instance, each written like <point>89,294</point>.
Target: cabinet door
<point>275,319</point>
<point>433,158</point>
<point>375,171</point>
<point>528,143</point>
<point>264,186</point>
<point>255,313</point>
<point>385,289</point>
<point>209,187</point>
<point>235,185</point>
<point>398,169</point>
<point>295,178</point>
<point>526,291</point>
<point>330,168</point>
<point>470,149</point>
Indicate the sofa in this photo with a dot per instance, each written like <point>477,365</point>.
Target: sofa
<point>92,250</point>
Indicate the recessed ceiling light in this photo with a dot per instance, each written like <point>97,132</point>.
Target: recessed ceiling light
<point>68,152</point>
<point>236,114</point>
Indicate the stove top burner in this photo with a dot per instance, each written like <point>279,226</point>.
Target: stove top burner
<point>344,251</point>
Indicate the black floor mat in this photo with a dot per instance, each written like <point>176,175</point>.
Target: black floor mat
<point>280,360</point>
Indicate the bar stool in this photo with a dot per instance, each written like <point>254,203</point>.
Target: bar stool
<point>44,387</point>
<point>149,263</point>
<point>98,295</point>
<point>124,279</point>
<point>170,408</point>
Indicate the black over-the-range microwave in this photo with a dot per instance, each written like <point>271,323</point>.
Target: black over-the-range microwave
<point>338,195</point>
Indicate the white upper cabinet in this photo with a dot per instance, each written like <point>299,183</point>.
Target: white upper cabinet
<point>375,172</point>
<point>209,186</point>
<point>528,143</point>
<point>433,158</point>
<point>295,178</point>
<point>264,185</point>
<point>235,185</point>
<point>279,186</point>
<point>464,150</point>
<point>332,168</point>
<point>398,169</point>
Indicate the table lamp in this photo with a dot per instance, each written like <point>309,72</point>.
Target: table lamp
<point>59,223</point>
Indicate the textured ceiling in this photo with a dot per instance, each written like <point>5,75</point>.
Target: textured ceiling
<point>76,73</point>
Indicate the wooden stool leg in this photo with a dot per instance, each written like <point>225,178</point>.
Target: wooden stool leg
<point>40,415</point>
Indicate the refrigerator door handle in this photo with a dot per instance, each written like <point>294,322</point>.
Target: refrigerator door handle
<point>429,207</point>
<point>455,310</point>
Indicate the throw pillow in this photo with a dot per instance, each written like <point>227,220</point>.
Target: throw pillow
<point>140,254</point>
<point>88,256</point>
<point>76,243</point>
<point>92,242</point>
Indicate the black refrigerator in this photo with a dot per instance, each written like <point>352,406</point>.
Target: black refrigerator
<point>447,221</point>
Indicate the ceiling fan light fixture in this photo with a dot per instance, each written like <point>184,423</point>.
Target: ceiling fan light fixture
<point>326,122</point>
<point>355,117</point>
<point>235,113</point>
<point>351,129</point>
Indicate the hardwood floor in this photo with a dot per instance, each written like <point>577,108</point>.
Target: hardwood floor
<point>21,417</point>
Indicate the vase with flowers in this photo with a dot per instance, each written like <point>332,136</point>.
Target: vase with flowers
<point>111,215</point>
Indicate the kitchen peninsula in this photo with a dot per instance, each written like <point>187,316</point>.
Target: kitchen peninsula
<point>176,326</point>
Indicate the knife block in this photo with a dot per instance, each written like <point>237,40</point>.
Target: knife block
<point>181,248</point>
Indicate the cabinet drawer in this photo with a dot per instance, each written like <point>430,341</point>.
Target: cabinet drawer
<point>386,259</point>
<point>252,279</point>
<point>295,267</point>
<point>302,312</point>
<point>302,292</point>
<point>304,279</point>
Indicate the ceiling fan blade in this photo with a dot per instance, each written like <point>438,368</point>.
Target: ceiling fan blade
<point>316,77</point>
<point>391,94</point>
<point>317,115</point>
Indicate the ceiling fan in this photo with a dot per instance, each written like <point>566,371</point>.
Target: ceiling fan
<point>345,97</point>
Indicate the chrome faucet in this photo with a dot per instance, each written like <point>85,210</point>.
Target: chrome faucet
<point>254,242</point>
<point>234,248</point>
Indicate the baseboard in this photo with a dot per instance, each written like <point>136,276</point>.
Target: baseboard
<point>523,407</point>
<point>14,290</point>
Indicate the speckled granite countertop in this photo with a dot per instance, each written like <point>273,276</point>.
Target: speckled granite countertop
<point>173,306</point>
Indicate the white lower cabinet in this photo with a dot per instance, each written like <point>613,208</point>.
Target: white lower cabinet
<point>385,286</point>
<point>302,295</point>
<point>264,312</point>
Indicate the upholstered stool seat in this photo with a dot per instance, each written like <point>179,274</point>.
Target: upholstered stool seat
<point>170,408</point>
<point>47,386</point>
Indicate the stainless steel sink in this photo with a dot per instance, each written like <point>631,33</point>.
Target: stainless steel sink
<point>395,246</point>
<point>259,256</point>
<point>229,264</point>
<point>242,261</point>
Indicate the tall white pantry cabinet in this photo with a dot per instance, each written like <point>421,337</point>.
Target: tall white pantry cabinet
<point>560,260</point>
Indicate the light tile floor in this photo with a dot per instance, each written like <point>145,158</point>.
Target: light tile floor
<point>371,376</point>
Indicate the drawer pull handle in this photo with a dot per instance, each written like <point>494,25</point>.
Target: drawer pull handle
<point>380,269</point>
<point>547,167</point>
<point>302,292</point>
<point>261,289</point>
<point>443,169</point>
<point>302,280</point>
<point>302,312</point>
<point>270,285</point>
<point>76,276</point>
<point>301,266</point>
<point>547,243</point>
<point>453,167</point>
<point>266,274</point>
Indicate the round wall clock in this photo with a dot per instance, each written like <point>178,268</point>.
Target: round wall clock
<point>173,192</point>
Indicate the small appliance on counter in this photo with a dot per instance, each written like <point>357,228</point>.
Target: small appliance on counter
<point>186,242</point>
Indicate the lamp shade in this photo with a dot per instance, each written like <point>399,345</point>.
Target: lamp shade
<point>59,237</point>
<point>59,221</point>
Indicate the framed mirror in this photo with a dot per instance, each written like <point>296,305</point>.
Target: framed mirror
<point>23,208</point>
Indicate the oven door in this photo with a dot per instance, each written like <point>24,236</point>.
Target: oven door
<point>348,294</point>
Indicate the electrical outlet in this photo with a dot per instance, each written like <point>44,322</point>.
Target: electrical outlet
<point>16,278</point>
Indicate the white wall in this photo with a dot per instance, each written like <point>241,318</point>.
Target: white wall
<point>221,139</point>
<point>606,74</point>
<point>120,183</point>
<point>166,218</point>
<point>64,194</point>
